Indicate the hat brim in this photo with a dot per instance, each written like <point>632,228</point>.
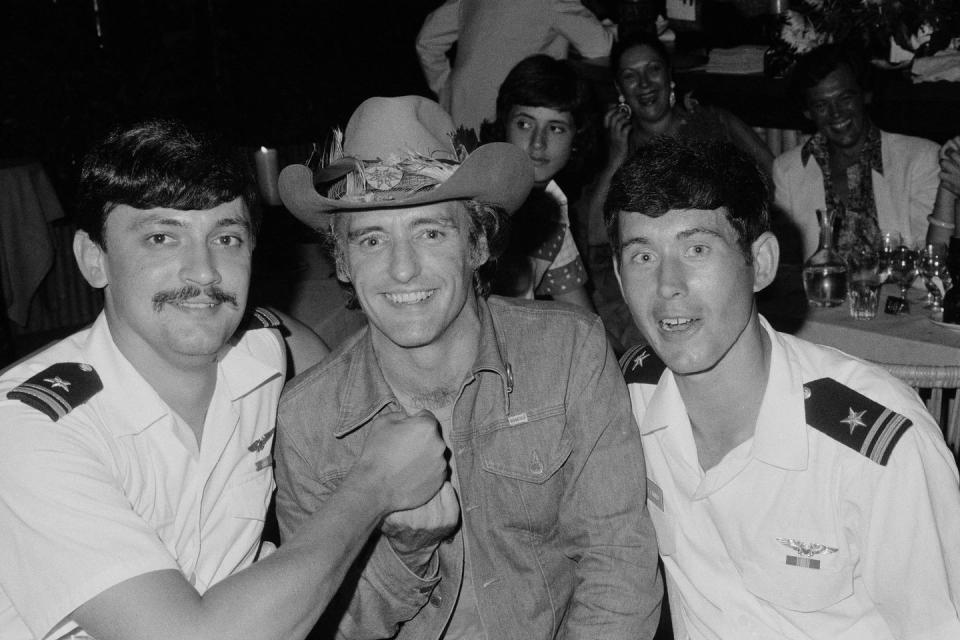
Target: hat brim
<point>498,173</point>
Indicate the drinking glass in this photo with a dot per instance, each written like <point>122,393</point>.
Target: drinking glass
<point>933,269</point>
<point>863,282</point>
<point>903,268</point>
<point>888,244</point>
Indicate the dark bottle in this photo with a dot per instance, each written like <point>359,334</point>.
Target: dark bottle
<point>951,299</point>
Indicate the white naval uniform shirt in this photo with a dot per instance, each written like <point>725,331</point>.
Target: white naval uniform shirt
<point>889,564</point>
<point>117,487</point>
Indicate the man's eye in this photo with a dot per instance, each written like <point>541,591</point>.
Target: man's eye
<point>698,250</point>
<point>521,124</point>
<point>230,241</point>
<point>369,242</point>
<point>157,238</point>
<point>433,234</point>
<point>641,257</point>
<point>559,130</point>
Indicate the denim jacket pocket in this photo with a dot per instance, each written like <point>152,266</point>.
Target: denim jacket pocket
<point>521,463</point>
<point>531,449</point>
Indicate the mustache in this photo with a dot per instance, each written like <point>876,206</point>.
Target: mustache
<point>177,296</point>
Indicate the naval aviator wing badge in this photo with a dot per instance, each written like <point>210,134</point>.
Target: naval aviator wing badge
<point>805,552</point>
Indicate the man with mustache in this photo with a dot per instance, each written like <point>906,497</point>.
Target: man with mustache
<point>137,462</point>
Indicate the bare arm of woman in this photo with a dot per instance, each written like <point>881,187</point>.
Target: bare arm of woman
<point>943,218</point>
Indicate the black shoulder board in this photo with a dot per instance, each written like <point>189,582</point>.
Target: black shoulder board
<point>59,389</point>
<point>640,365</point>
<point>853,419</point>
<point>259,318</point>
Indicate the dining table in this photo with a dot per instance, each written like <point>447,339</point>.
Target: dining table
<point>917,337</point>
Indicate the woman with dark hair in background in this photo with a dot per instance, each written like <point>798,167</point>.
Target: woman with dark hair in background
<point>543,108</point>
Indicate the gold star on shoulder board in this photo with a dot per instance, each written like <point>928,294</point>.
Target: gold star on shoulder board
<point>854,419</point>
<point>57,382</point>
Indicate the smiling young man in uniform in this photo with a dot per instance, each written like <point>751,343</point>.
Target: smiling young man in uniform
<point>545,530</point>
<point>797,492</point>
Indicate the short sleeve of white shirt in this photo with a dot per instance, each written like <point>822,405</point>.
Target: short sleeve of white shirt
<point>70,530</point>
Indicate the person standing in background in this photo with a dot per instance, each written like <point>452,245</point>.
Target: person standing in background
<point>492,36</point>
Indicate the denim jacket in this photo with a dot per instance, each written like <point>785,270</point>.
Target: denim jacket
<point>552,484</point>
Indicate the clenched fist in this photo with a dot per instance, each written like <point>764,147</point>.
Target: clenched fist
<point>415,533</point>
<point>404,459</point>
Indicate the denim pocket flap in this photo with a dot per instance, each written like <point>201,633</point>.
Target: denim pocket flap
<point>531,451</point>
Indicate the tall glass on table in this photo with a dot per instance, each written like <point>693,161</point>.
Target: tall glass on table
<point>863,282</point>
<point>904,269</point>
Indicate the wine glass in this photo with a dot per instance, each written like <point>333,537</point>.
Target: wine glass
<point>903,268</point>
<point>888,244</point>
<point>933,269</point>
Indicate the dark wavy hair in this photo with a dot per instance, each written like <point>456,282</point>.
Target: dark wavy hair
<point>638,39</point>
<point>160,163</point>
<point>812,67</point>
<point>672,173</point>
<point>542,81</point>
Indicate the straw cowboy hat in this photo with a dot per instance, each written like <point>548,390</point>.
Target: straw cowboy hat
<point>399,152</point>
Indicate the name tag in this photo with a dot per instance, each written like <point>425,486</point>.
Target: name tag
<point>520,418</point>
<point>263,463</point>
<point>654,494</point>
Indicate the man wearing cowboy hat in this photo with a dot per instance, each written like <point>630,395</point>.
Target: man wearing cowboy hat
<point>543,527</point>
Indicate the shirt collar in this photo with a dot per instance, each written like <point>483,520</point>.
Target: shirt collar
<point>135,404</point>
<point>780,438</point>
<point>366,391</point>
<point>870,154</point>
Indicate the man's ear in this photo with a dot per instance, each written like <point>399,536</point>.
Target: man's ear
<point>481,252</point>
<point>766,259</point>
<point>91,259</point>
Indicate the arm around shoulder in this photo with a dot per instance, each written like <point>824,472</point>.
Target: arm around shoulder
<point>303,346</point>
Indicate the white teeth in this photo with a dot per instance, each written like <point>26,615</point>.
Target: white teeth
<point>412,297</point>
<point>670,324</point>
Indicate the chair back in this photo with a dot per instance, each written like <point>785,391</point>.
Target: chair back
<point>937,386</point>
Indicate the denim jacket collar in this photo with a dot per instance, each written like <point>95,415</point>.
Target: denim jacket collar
<point>367,391</point>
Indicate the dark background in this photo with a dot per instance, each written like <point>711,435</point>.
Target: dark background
<point>263,72</point>
<point>260,73</point>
